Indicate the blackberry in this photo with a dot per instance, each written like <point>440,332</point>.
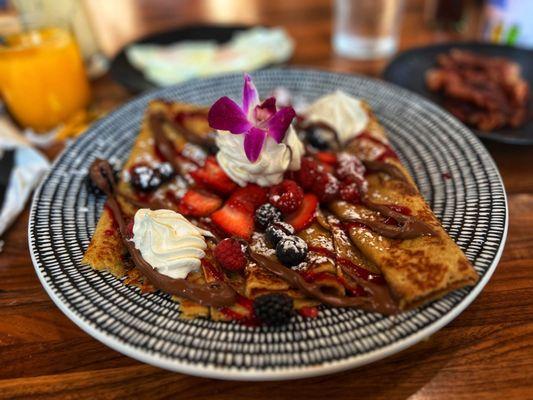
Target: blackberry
<point>277,231</point>
<point>291,251</point>
<point>146,179</point>
<point>319,138</point>
<point>267,214</point>
<point>274,309</point>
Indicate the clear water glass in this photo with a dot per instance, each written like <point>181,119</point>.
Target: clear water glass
<point>366,29</point>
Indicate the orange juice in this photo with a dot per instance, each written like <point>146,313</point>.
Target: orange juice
<point>42,77</point>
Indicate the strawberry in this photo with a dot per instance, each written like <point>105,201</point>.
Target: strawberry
<point>326,186</point>
<point>250,196</point>
<point>327,157</point>
<point>235,219</point>
<point>212,177</point>
<point>199,203</point>
<point>302,217</point>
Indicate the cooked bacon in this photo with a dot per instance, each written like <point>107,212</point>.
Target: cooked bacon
<point>487,93</point>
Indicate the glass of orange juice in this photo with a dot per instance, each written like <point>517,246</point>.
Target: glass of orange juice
<point>42,77</point>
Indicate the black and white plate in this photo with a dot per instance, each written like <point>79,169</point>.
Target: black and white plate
<point>453,170</point>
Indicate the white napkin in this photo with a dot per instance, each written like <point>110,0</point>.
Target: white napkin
<point>29,167</point>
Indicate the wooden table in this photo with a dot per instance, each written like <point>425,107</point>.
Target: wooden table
<point>485,353</point>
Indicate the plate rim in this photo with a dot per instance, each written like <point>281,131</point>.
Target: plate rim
<point>255,374</point>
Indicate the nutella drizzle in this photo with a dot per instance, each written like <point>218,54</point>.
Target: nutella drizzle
<point>215,294</point>
<point>379,300</point>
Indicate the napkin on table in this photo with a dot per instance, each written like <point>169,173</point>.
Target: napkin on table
<point>21,169</point>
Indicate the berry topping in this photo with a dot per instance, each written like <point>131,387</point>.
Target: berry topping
<point>274,309</point>
<point>277,231</point>
<point>291,250</point>
<point>212,177</point>
<point>308,172</point>
<point>302,218</point>
<point>146,179</point>
<point>235,219</point>
<point>326,187</point>
<point>350,193</point>
<point>250,196</point>
<point>327,157</point>
<point>350,168</point>
<point>230,255</point>
<point>267,214</point>
<point>319,138</point>
<point>199,203</point>
<point>287,196</point>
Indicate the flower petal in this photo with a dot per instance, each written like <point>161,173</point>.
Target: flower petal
<point>279,123</point>
<point>250,97</point>
<point>265,110</point>
<point>226,115</point>
<point>253,143</point>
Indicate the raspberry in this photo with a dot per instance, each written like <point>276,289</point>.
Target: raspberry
<point>308,172</point>
<point>326,187</point>
<point>267,214</point>
<point>287,196</point>
<point>350,192</point>
<point>230,255</point>
<point>274,309</point>
<point>350,168</point>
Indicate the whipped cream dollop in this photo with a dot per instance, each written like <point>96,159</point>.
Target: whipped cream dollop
<point>268,169</point>
<point>342,112</point>
<point>169,242</point>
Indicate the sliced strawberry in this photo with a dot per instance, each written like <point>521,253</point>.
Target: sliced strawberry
<point>235,220</point>
<point>327,157</point>
<point>212,177</point>
<point>302,218</point>
<point>250,196</point>
<point>199,203</point>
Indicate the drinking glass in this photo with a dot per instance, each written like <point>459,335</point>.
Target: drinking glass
<point>42,75</point>
<point>366,29</point>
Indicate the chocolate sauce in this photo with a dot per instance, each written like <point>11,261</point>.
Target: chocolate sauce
<point>163,144</point>
<point>379,299</point>
<point>215,294</point>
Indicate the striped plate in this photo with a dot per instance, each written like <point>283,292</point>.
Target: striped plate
<point>452,169</point>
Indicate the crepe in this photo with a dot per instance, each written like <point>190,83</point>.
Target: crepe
<point>416,270</point>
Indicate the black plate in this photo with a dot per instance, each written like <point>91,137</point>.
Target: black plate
<point>126,74</point>
<point>408,70</point>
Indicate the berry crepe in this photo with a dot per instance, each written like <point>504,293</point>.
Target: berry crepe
<point>251,213</point>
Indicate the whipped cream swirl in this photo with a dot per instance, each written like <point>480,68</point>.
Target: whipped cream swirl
<point>169,242</point>
<point>342,112</point>
<point>268,169</point>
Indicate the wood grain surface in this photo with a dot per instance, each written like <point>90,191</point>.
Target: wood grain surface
<point>486,353</point>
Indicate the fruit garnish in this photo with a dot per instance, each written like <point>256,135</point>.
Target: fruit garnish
<point>308,172</point>
<point>254,120</point>
<point>199,203</point>
<point>350,192</point>
<point>267,214</point>
<point>145,178</point>
<point>302,218</point>
<point>235,219</point>
<point>286,196</point>
<point>350,168</point>
<point>291,250</point>
<point>230,255</point>
<point>212,177</point>
<point>326,186</point>
<point>327,157</point>
<point>251,196</point>
<point>277,231</point>
<point>308,312</point>
<point>274,309</point>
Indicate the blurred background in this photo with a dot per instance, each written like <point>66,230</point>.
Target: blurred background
<point>65,63</point>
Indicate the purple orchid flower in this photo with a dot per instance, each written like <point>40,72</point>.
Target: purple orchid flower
<point>255,120</point>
